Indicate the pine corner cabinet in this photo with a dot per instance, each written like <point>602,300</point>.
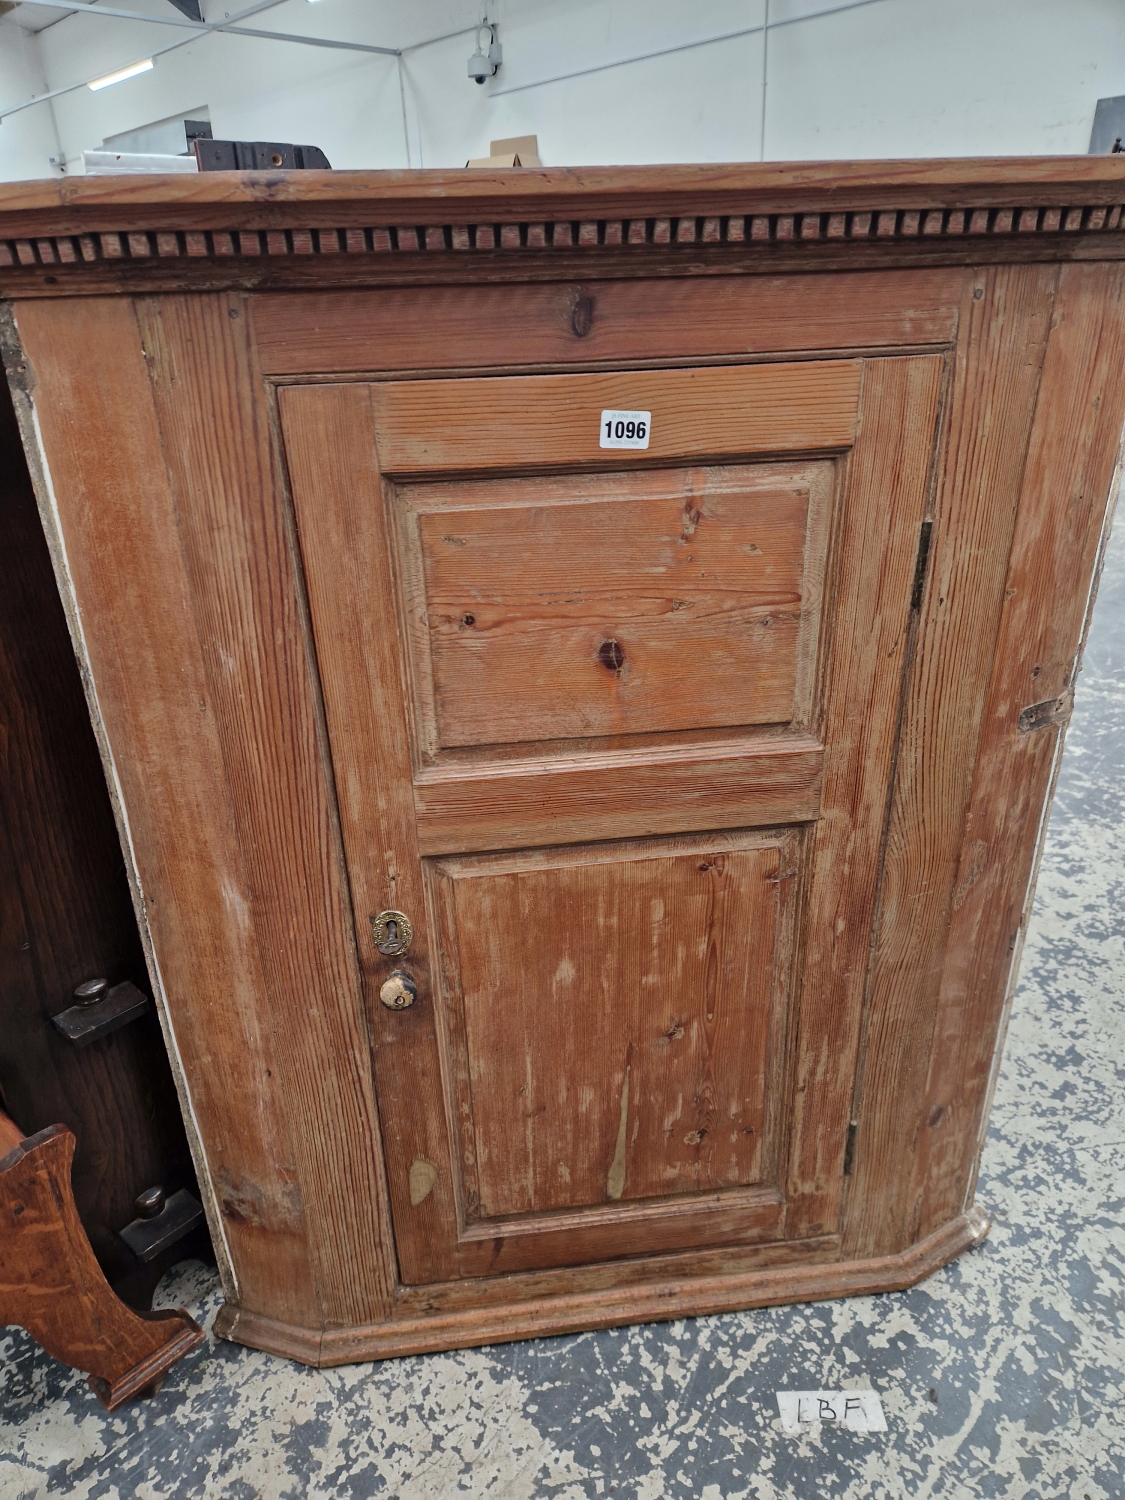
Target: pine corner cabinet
<point>580,659</point>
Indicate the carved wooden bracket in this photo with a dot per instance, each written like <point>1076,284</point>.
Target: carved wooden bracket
<point>51,1284</point>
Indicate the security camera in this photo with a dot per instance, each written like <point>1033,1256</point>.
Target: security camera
<point>480,68</point>
<point>483,64</point>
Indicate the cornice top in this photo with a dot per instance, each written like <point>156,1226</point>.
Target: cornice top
<point>107,224</point>
<point>262,199</point>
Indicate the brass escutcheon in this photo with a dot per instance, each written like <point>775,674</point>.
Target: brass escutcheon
<point>392,932</point>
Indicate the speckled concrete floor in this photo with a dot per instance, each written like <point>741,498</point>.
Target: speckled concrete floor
<point>1002,1376</point>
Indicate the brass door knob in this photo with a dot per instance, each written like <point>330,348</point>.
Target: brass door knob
<point>398,991</point>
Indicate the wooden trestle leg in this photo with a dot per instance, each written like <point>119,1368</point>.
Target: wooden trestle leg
<point>51,1284</point>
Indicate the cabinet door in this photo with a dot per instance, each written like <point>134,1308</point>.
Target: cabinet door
<point>613,727</point>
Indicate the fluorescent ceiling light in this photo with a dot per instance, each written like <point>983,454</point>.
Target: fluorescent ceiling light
<point>122,73</point>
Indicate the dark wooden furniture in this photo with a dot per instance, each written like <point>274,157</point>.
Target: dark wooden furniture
<point>51,1284</point>
<point>66,916</point>
<point>584,883</point>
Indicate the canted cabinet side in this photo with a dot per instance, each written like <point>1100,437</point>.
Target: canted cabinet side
<point>194,628</point>
<point>222,465</point>
<point>107,505</point>
<point>1067,488</point>
<point>1005,321</point>
<point>1036,414</point>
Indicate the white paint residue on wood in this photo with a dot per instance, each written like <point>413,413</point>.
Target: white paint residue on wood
<point>615,1184</point>
<point>423,1175</point>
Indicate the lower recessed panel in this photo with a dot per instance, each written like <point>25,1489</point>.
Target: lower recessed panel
<point>613,1018</point>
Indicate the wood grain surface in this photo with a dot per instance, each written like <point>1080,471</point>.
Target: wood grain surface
<point>273,199</point>
<point>336,493</point>
<point>1006,320</point>
<point>884,502</point>
<point>222,471</point>
<point>1074,449</point>
<point>346,551</point>
<point>506,1308</point>
<point>51,1284</point>
<point>388,699</point>
<point>410,328</point>
<point>696,1223</point>
<point>888,472</point>
<point>10,1135</point>
<point>65,910</point>
<point>117,526</point>
<point>751,782</point>
<point>329,231</point>
<point>554,421</point>
<point>617,1012</point>
<point>546,609</point>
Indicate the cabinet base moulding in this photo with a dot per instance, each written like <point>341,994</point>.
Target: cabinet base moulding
<point>581,1312</point>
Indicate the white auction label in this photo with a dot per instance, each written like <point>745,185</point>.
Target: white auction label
<point>862,1411</point>
<point>625,429</point>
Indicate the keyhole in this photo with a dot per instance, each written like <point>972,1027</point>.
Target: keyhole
<point>392,932</point>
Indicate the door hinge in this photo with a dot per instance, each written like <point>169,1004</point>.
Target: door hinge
<point>920,565</point>
<point>849,1149</point>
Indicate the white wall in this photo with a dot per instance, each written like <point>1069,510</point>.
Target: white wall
<point>879,78</point>
<point>29,138</point>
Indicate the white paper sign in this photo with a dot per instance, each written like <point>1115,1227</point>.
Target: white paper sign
<point>625,429</point>
<point>862,1411</point>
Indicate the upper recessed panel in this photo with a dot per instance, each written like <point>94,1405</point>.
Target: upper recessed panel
<point>604,605</point>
